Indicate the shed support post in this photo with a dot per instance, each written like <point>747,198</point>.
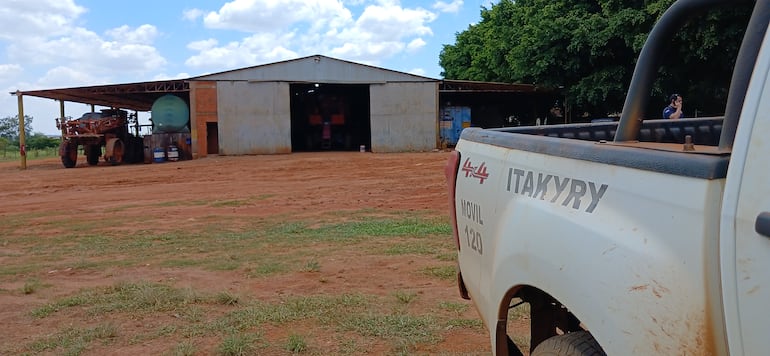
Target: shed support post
<point>22,134</point>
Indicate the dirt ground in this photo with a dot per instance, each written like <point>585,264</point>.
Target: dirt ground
<point>300,185</point>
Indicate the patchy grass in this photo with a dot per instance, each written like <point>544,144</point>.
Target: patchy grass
<point>73,341</point>
<point>99,248</point>
<point>405,297</point>
<point>240,345</point>
<point>262,248</point>
<point>295,344</point>
<point>441,272</point>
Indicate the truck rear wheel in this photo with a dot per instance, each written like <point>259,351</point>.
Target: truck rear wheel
<point>69,154</point>
<point>578,343</point>
<point>92,154</point>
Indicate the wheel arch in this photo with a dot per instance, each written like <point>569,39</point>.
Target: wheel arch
<point>546,315</point>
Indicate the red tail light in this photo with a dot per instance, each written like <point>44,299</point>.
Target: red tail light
<point>450,171</point>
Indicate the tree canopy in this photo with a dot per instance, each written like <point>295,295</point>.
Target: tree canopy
<point>589,48</point>
<point>9,127</point>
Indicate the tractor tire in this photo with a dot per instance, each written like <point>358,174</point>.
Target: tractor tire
<point>92,154</point>
<point>114,151</point>
<point>578,343</point>
<point>69,154</point>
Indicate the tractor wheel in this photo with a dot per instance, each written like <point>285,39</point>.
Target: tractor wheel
<point>114,151</point>
<point>69,154</point>
<point>92,154</point>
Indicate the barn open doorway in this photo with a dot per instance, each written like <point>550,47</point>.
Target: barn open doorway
<point>212,138</point>
<point>333,117</point>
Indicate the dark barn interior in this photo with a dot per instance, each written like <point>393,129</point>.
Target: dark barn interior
<point>329,117</point>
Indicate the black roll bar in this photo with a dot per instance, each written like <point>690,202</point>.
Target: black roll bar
<point>652,53</point>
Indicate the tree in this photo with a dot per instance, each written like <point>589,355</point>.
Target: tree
<point>589,48</point>
<point>39,141</point>
<point>9,127</point>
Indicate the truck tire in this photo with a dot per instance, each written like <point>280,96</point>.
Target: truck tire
<point>114,150</point>
<point>579,343</point>
<point>92,154</point>
<point>69,154</point>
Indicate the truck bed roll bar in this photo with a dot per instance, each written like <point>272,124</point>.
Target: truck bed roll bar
<point>652,53</point>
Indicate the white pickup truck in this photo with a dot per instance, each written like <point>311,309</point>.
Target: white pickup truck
<point>638,237</point>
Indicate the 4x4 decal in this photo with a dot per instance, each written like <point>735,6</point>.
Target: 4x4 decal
<point>479,172</point>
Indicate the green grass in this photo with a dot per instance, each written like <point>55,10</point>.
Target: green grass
<point>141,298</point>
<point>442,272</point>
<point>398,327</point>
<point>268,268</point>
<point>295,344</point>
<point>312,266</point>
<point>354,313</point>
<point>405,297</point>
<point>97,247</point>
<point>184,348</point>
<point>257,248</point>
<point>240,345</point>
<point>454,307</point>
<point>73,341</point>
<point>226,298</point>
<point>12,154</point>
<point>31,286</point>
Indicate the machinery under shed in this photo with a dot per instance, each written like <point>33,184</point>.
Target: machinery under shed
<point>113,134</point>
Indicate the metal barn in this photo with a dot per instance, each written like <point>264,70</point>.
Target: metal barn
<point>312,103</point>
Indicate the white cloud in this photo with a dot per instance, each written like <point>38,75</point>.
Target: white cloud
<point>382,30</point>
<point>418,71</point>
<point>192,14</point>
<point>252,50</point>
<point>164,76</point>
<point>272,15</point>
<point>144,34</point>
<point>415,45</point>
<point>31,18</point>
<point>454,6</point>
<point>131,53</point>
<point>8,71</point>
<point>203,45</point>
<point>64,76</point>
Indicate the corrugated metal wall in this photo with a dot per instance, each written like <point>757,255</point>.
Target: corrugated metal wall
<point>254,118</point>
<point>404,116</point>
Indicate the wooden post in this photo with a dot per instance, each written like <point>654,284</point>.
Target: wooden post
<point>22,134</point>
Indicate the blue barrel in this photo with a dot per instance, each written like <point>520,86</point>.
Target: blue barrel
<point>158,155</point>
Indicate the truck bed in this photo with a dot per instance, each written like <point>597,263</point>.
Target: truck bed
<point>663,141</point>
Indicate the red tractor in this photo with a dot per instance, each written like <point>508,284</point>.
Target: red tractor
<point>94,130</point>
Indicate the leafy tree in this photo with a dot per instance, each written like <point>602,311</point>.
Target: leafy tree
<point>589,48</point>
<point>39,141</point>
<point>4,143</point>
<point>9,127</point>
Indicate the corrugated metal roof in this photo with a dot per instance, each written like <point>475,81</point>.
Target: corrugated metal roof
<point>133,96</point>
<point>316,69</point>
<point>310,69</point>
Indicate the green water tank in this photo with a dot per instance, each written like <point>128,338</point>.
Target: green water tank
<point>170,114</point>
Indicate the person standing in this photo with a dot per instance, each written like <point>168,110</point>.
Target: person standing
<point>674,108</point>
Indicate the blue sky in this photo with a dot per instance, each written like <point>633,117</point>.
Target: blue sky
<point>68,43</point>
